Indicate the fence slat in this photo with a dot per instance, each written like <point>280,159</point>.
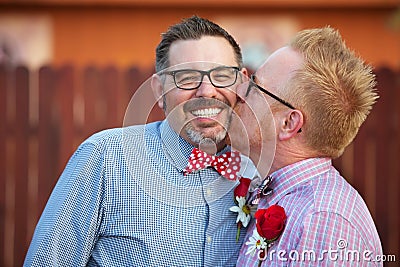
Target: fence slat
<point>3,166</point>
<point>360,159</point>
<point>384,108</point>
<point>65,87</point>
<point>21,170</point>
<point>113,91</point>
<point>48,136</point>
<point>363,143</point>
<point>395,222</point>
<point>92,90</point>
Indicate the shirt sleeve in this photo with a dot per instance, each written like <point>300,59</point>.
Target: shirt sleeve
<point>68,227</point>
<point>328,239</point>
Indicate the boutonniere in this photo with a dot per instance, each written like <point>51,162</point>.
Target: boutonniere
<point>269,226</point>
<point>240,194</point>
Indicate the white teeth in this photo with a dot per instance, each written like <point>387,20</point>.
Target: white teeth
<point>206,113</point>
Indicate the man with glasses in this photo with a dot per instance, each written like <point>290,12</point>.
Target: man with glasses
<point>202,105</point>
<point>300,110</point>
<point>137,196</point>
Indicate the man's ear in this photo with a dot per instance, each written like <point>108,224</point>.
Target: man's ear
<point>291,125</point>
<point>157,87</point>
<point>244,71</point>
<point>245,75</point>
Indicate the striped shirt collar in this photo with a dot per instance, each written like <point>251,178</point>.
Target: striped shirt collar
<point>289,177</point>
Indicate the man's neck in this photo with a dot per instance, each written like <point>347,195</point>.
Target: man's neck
<point>208,146</point>
<point>211,148</point>
<point>285,156</point>
<point>269,160</point>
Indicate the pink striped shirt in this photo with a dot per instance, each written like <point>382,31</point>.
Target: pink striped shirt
<point>328,223</point>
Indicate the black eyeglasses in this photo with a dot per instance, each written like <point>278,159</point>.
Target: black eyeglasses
<point>253,83</point>
<point>189,79</point>
<point>265,91</point>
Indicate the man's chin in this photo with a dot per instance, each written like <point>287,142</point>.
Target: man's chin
<point>215,135</point>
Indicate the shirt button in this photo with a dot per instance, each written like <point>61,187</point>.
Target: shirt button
<point>208,191</point>
<point>209,239</point>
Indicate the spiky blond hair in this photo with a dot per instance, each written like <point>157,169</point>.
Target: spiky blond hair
<point>335,90</point>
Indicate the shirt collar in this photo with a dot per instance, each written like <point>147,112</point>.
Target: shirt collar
<point>289,177</point>
<point>175,147</point>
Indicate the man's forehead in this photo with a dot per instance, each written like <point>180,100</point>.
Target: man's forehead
<point>198,65</point>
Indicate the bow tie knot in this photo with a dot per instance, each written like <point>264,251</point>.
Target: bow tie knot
<point>228,164</point>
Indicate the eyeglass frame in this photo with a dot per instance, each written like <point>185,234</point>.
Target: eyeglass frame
<point>203,73</point>
<point>252,82</point>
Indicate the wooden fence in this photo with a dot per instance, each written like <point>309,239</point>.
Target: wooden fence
<point>46,114</point>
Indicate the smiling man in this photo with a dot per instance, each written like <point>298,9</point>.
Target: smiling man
<point>131,196</point>
<point>203,90</point>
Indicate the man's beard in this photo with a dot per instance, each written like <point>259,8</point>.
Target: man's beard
<point>198,137</point>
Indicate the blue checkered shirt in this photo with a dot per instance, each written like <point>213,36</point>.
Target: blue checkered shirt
<point>123,200</point>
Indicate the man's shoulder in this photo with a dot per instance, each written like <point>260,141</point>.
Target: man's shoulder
<point>328,193</point>
<point>115,136</point>
<point>332,193</point>
<point>327,201</point>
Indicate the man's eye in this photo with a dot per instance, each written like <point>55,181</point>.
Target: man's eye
<point>186,76</point>
<point>187,79</point>
<point>222,77</point>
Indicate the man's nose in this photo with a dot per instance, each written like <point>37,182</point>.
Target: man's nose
<point>206,89</point>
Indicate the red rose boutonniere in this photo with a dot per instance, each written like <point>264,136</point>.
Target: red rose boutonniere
<point>243,210</point>
<point>269,226</point>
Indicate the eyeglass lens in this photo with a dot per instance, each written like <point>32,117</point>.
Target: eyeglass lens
<point>192,79</point>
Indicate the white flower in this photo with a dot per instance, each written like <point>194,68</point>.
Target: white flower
<point>256,242</point>
<point>243,211</point>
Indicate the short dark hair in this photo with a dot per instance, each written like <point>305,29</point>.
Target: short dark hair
<point>192,28</point>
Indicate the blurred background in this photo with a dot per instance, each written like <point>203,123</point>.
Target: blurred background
<point>68,68</point>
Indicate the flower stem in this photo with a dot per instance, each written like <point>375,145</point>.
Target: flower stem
<point>239,225</point>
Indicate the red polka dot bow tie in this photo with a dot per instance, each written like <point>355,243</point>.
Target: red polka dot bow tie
<point>227,164</point>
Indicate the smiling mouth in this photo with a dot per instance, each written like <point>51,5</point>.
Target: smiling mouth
<point>206,113</point>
